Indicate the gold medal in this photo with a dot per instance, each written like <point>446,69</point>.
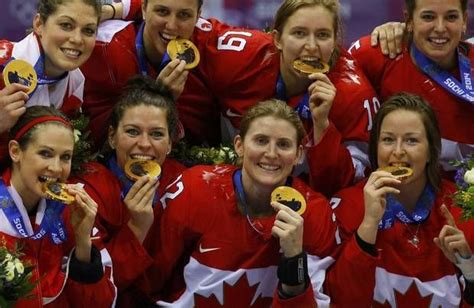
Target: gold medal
<point>310,67</point>
<point>58,192</point>
<point>19,71</point>
<point>136,168</point>
<point>399,172</point>
<point>290,197</point>
<point>183,49</point>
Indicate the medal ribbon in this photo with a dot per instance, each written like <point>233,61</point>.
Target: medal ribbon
<point>126,184</point>
<point>396,210</point>
<point>51,223</point>
<point>463,89</point>
<point>142,62</point>
<point>303,105</point>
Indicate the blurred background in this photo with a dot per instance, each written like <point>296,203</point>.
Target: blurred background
<point>359,16</point>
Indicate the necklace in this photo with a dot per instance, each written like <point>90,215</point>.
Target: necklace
<point>414,240</point>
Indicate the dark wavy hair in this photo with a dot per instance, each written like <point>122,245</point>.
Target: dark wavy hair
<point>143,90</point>
<point>47,8</point>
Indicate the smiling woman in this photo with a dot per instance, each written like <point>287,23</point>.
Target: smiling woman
<point>222,221</point>
<point>435,63</point>
<point>62,40</point>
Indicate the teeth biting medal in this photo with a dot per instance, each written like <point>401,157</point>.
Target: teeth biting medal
<point>183,49</point>
<point>310,66</point>
<point>58,192</point>
<point>136,168</point>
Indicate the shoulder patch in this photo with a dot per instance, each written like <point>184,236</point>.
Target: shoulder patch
<point>203,25</point>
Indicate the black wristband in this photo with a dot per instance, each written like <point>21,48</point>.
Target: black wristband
<point>113,9</point>
<point>87,273</point>
<point>293,271</point>
<point>368,248</point>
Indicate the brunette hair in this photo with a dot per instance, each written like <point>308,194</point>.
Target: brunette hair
<point>47,8</point>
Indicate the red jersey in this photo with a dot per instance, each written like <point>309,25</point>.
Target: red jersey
<point>231,260</point>
<point>129,257</point>
<point>242,68</point>
<point>402,275</point>
<point>114,61</point>
<point>65,94</point>
<point>401,74</point>
<point>51,262</point>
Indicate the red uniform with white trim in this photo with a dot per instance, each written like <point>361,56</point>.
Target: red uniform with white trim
<point>51,265</point>
<point>230,262</point>
<point>129,256</point>
<point>65,95</point>
<point>114,61</point>
<point>388,76</point>
<point>242,67</point>
<point>402,275</point>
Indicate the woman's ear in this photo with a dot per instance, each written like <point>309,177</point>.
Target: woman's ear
<point>37,25</point>
<point>299,155</point>
<point>110,137</point>
<point>238,146</point>
<point>14,150</point>
<point>277,39</point>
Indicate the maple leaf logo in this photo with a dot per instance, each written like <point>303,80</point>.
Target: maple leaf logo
<point>411,298</point>
<point>238,295</point>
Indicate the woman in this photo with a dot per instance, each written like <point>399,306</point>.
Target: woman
<point>125,49</point>
<point>242,67</point>
<point>55,238</point>
<point>393,229</point>
<point>220,222</point>
<point>63,38</point>
<point>436,64</point>
<point>143,124</point>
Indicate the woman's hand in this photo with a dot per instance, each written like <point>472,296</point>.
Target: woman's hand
<point>173,77</point>
<point>379,184</point>
<point>451,240</point>
<point>390,38</point>
<point>321,96</point>
<point>83,212</point>
<point>12,105</point>
<point>288,228</point>
<point>139,202</point>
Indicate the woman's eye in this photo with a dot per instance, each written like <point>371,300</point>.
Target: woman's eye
<point>261,140</point>
<point>89,31</point>
<point>184,15</point>
<point>157,134</point>
<point>66,157</point>
<point>66,26</point>
<point>45,153</point>
<point>412,140</point>
<point>427,17</point>
<point>452,17</point>
<point>284,144</point>
<point>324,35</point>
<point>299,33</point>
<point>162,12</point>
<point>132,132</point>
